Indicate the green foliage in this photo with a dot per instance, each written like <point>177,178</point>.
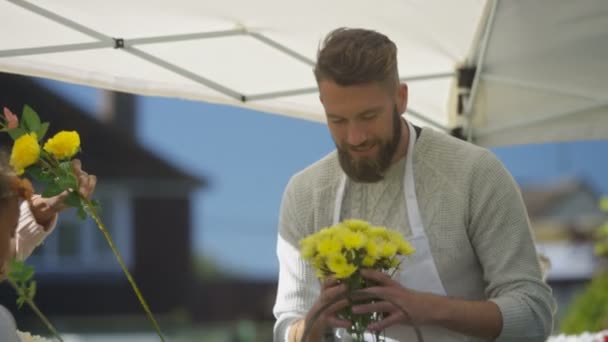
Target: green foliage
<point>589,311</point>
<point>601,241</point>
<point>22,276</point>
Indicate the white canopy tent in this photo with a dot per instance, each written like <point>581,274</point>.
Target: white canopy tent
<point>532,70</point>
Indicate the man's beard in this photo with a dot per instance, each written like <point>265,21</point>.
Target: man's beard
<point>372,169</point>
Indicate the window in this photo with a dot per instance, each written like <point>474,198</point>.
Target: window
<point>80,246</point>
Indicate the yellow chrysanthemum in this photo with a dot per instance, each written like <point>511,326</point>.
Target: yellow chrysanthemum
<point>387,249</point>
<point>308,247</point>
<point>353,240</point>
<point>318,262</point>
<point>339,266</point>
<point>378,233</point>
<point>357,225</point>
<point>371,249</point>
<point>368,261</point>
<point>63,145</point>
<point>405,248</point>
<point>327,246</point>
<point>340,250</point>
<point>26,152</point>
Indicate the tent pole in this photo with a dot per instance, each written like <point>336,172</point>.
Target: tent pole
<point>55,49</point>
<point>62,20</point>
<point>479,69</point>
<point>185,73</point>
<point>185,36</point>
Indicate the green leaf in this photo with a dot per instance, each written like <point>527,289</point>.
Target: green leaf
<point>15,133</point>
<point>30,120</point>
<point>73,200</point>
<point>16,270</point>
<point>28,273</point>
<point>82,214</point>
<point>96,206</point>
<point>20,272</point>
<point>67,182</point>
<point>41,132</point>
<point>40,174</point>
<point>20,302</point>
<point>52,190</point>
<point>32,290</point>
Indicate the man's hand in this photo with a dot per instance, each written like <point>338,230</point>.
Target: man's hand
<point>45,209</point>
<point>330,291</point>
<point>417,304</point>
<point>480,318</point>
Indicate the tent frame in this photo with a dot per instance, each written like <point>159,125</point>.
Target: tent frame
<point>129,46</point>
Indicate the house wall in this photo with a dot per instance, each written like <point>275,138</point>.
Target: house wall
<point>162,253</point>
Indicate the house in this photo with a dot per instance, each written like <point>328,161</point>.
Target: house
<point>145,206</point>
<point>563,216</point>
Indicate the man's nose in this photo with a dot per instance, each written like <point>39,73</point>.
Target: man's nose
<point>357,135</point>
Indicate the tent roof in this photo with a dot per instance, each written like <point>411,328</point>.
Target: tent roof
<point>259,54</point>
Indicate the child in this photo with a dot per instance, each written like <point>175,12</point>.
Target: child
<point>12,191</point>
<point>26,220</point>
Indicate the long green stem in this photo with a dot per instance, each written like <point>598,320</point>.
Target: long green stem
<point>34,308</point>
<point>102,227</point>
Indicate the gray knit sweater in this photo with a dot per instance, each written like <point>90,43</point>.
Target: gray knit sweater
<point>472,213</point>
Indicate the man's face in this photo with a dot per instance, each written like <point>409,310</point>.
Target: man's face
<point>365,125</point>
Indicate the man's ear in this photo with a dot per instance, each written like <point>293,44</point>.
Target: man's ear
<point>402,94</point>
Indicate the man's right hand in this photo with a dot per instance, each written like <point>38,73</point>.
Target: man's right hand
<point>330,291</point>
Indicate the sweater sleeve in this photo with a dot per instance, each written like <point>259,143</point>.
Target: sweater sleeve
<point>297,287</point>
<point>502,238</point>
<point>29,234</point>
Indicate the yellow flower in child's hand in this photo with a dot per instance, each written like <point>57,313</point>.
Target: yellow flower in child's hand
<point>338,264</point>
<point>63,145</point>
<point>26,152</point>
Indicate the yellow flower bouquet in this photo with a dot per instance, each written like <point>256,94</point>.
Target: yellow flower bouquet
<point>342,250</point>
<point>50,164</point>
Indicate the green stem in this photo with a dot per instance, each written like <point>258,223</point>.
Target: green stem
<point>49,164</point>
<point>34,308</point>
<point>102,227</point>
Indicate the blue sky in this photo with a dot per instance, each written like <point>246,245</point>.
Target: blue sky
<point>249,156</point>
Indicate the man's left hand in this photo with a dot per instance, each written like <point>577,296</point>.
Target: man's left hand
<point>418,305</point>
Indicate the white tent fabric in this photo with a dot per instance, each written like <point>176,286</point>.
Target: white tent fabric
<point>545,73</point>
<point>535,59</point>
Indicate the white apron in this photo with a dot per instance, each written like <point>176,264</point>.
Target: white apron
<point>418,271</point>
